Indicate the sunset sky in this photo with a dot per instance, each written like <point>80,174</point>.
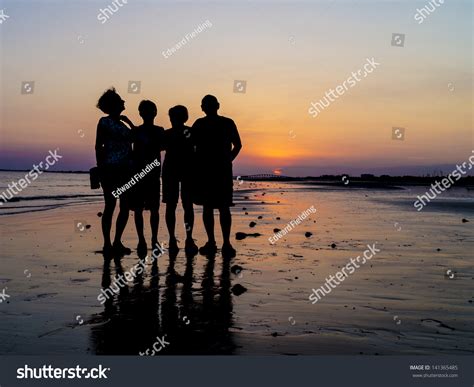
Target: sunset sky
<point>289,53</point>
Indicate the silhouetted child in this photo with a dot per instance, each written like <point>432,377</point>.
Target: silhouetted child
<point>113,148</point>
<point>148,143</point>
<point>177,176</point>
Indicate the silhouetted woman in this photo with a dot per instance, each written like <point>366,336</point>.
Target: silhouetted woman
<point>113,149</point>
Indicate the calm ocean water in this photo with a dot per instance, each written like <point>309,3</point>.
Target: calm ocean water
<point>53,190</point>
<point>48,191</point>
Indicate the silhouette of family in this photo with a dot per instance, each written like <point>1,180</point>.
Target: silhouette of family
<point>197,166</point>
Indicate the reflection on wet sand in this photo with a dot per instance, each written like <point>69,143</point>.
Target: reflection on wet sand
<point>196,321</point>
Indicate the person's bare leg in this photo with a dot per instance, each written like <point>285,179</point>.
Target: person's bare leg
<point>209,248</point>
<point>121,223</point>
<point>208,220</point>
<point>106,220</point>
<point>139,226</point>
<point>226,224</point>
<point>171,225</point>
<point>154,224</point>
<point>189,219</point>
<point>190,246</point>
<point>171,219</point>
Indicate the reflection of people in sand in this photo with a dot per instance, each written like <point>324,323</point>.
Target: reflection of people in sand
<point>130,322</point>
<point>113,149</point>
<point>192,324</point>
<point>217,143</point>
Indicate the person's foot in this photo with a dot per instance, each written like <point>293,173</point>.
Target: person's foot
<point>228,251</point>
<point>173,246</point>
<point>142,248</point>
<point>209,248</point>
<point>119,248</point>
<point>190,247</point>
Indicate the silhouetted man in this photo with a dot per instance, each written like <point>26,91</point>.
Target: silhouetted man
<point>217,144</point>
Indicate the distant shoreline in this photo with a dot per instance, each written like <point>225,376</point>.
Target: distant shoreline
<point>362,181</point>
<point>28,170</point>
<point>344,180</point>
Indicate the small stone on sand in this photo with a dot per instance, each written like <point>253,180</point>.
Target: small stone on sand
<point>240,235</point>
<point>307,234</point>
<point>238,289</point>
<point>252,224</point>
<point>333,245</point>
<point>464,220</point>
<point>236,269</point>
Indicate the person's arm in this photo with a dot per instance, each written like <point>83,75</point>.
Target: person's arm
<point>127,120</point>
<point>236,142</point>
<point>99,144</point>
<point>193,135</point>
<point>163,139</point>
<point>133,128</point>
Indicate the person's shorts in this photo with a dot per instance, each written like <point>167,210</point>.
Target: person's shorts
<point>145,194</point>
<point>214,186</point>
<point>172,185</point>
<point>114,177</point>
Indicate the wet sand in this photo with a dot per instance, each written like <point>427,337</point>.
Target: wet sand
<point>401,302</point>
